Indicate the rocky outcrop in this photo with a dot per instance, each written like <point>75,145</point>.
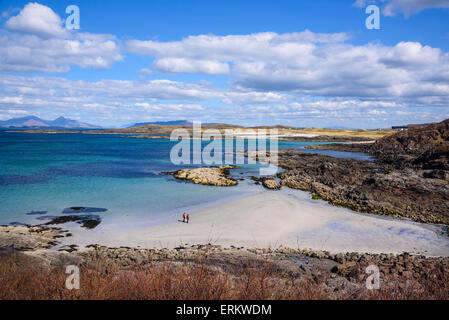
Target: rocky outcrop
<point>267,182</point>
<point>29,237</point>
<point>302,259</point>
<point>423,148</point>
<point>341,274</point>
<point>78,210</point>
<point>271,184</point>
<point>367,187</point>
<point>212,176</point>
<point>409,177</point>
<point>50,258</point>
<point>86,221</point>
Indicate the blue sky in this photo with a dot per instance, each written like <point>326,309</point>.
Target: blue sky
<point>301,63</point>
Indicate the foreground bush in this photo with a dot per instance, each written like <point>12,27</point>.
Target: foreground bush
<point>22,279</point>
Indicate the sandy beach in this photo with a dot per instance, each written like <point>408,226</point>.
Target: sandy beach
<point>270,219</point>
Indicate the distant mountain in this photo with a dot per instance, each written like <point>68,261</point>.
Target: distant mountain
<point>36,122</point>
<point>62,122</point>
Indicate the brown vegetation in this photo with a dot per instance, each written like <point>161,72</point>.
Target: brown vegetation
<point>20,278</point>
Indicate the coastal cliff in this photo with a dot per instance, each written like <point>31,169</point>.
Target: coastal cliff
<point>409,177</point>
<point>422,148</point>
<point>366,187</point>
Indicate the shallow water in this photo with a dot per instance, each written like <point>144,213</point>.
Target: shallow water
<point>51,172</point>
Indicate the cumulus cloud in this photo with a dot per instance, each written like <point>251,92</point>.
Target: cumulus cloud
<point>116,102</point>
<point>209,54</point>
<point>309,64</point>
<point>39,20</point>
<point>103,101</point>
<point>144,92</point>
<point>62,89</point>
<point>39,43</point>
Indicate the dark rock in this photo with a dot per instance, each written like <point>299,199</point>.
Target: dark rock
<point>424,148</point>
<point>35,213</point>
<point>366,186</point>
<point>83,210</point>
<point>86,221</point>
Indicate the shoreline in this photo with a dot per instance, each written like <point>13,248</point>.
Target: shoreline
<point>301,136</point>
<point>270,219</point>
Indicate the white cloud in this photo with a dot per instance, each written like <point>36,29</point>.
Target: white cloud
<point>40,44</point>
<point>309,64</point>
<point>166,107</point>
<point>28,53</point>
<point>116,102</point>
<point>242,96</point>
<point>12,100</point>
<point>65,92</point>
<point>406,7</point>
<point>68,91</point>
<point>39,20</point>
<point>209,54</point>
<point>105,101</point>
<point>146,71</point>
<point>185,65</point>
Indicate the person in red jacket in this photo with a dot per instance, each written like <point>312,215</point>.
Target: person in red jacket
<point>188,218</point>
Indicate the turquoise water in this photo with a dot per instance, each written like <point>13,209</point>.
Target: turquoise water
<point>51,172</point>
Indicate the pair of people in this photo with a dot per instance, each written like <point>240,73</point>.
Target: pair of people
<point>185,217</point>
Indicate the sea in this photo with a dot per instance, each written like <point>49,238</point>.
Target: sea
<point>41,175</point>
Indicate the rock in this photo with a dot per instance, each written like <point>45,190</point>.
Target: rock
<point>344,269</point>
<point>50,258</point>
<point>29,238</point>
<point>213,176</point>
<point>32,213</point>
<point>86,221</point>
<point>83,210</point>
<point>367,187</point>
<point>271,184</point>
<point>424,148</point>
<point>268,183</point>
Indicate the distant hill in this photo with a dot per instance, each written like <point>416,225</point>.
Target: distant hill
<point>33,122</point>
<point>162,123</point>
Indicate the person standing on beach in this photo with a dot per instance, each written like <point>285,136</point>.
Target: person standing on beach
<point>188,218</point>
<point>184,217</point>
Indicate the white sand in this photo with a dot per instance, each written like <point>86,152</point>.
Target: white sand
<point>273,218</point>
